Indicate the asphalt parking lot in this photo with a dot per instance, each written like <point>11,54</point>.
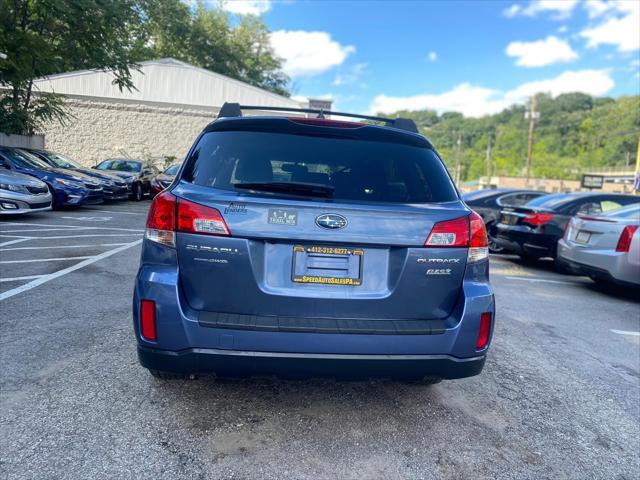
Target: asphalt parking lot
<point>559,396</point>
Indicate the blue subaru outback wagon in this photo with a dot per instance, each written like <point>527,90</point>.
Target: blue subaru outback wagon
<point>308,247</point>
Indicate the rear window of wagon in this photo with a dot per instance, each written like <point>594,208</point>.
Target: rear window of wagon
<point>358,170</point>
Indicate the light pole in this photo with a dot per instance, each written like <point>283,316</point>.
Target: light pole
<point>532,115</point>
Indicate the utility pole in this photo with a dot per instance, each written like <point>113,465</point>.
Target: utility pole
<point>488,160</point>
<point>532,115</point>
<point>459,143</point>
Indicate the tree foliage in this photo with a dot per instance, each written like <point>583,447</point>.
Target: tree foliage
<point>45,37</point>
<point>207,37</point>
<point>575,132</point>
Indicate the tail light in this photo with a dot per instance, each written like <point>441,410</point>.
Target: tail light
<point>169,214</point>
<point>194,218</point>
<point>161,220</point>
<point>485,330</point>
<point>450,233</point>
<point>468,231</point>
<point>537,218</point>
<point>148,319</point>
<point>624,242</point>
<point>478,240</point>
<point>324,122</point>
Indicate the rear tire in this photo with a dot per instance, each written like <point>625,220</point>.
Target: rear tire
<point>171,376</point>
<point>493,247</point>
<point>137,192</point>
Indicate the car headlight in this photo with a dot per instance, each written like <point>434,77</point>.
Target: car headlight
<point>13,188</point>
<point>69,183</point>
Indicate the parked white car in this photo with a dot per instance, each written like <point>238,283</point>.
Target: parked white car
<point>22,194</point>
<point>604,247</point>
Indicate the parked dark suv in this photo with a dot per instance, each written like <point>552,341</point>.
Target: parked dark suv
<point>304,247</point>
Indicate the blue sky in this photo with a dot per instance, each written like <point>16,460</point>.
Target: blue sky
<point>472,56</point>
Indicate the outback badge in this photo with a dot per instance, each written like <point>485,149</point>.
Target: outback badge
<point>331,221</point>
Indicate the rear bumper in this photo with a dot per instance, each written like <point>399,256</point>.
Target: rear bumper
<point>241,363</point>
<point>607,265</point>
<point>523,243</point>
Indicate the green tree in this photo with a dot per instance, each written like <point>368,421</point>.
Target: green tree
<point>44,37</point>
<point>205,37</point>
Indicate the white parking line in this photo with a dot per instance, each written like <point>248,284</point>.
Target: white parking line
<point>36,260</point>
<point>49,247</point>
<point>86,236</point>
<point>120,212</point>
<point>543,280</point>
<point>11,242</point>
<point>74,227</point>
<point>52,276</point>
<point>15,279</point>
<point>43,230</point>
<point>626,332</point>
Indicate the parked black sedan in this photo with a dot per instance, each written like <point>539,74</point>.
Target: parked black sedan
<point>113,187</point>
<point>489,202</point>
<point>136,173</point>
<point>533,230</point>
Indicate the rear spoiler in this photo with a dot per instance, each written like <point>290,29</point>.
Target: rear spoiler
<point>230,110</point>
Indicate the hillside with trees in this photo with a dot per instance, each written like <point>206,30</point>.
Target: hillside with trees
<point>575,132</point>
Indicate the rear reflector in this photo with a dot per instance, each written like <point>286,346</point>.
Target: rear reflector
<point>450,233</point>
<point>148,319</point>
<point>537,218</point>
<point>485,329</point>
<point>195,218</point>
<point>624,242</point>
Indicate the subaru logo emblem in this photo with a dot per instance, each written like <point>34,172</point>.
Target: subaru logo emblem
<point>331,221</point>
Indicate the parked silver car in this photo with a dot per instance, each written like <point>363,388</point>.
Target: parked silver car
<point>21,193</point>
<point>604,247</point>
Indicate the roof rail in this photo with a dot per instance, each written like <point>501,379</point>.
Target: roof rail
<point>235,110</point>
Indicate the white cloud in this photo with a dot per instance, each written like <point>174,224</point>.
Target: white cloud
<point>563,29</point>
<point>351,76</point>
<point>246,7</point>
<point>595,8</point>
<point>432,56</point>
<point>559,9</point>
<point>471,100</point>
<point>512,11</point>
<point>593,82</point>
<point>308,53</point>
<point>620,27</point>
<point>476,101</point>
<point>542,52</point>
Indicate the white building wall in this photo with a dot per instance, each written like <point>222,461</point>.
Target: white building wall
<point>165,81</point>
<point>97,130</point>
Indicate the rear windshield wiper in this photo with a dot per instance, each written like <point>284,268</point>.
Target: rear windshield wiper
<point>307,189</point>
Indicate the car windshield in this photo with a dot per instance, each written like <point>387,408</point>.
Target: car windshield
<point>630,211</point>
<point>24,159</point>
<point>62,162</point>
<point>172,170</point>
<point>120,165</point>
<point>351,169</point>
